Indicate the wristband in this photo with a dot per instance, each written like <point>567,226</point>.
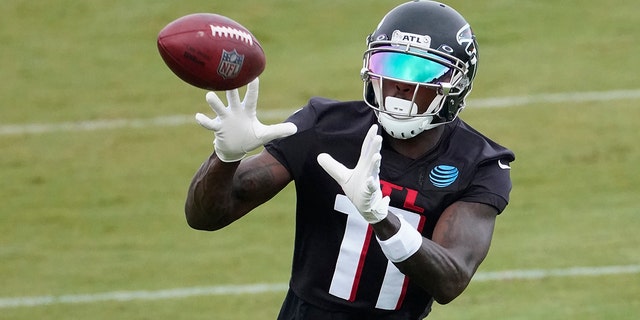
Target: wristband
<point>403,244</point>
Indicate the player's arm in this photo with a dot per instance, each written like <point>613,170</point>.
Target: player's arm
<point>222,192</point>
<point>461,237</point>
<point>227,186</point>
<point>444,265</point>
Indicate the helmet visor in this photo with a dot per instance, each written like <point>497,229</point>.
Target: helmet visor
<point>408,67</point>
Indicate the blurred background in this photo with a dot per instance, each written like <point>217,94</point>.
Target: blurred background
<point>98,148</point>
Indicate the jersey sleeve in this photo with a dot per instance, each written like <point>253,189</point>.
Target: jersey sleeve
<point>491,184</point>
<point>290,150</point>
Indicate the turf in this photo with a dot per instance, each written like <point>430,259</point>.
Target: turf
<point>100,211</point>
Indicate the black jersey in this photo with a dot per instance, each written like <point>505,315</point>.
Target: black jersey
<point>337,263</point>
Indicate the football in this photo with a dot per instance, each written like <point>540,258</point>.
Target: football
<point>211,51</point>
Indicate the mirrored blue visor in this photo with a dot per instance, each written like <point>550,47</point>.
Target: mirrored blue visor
<point>407,67</point>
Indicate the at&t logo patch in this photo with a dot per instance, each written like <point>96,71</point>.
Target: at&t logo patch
<point>443,175</point>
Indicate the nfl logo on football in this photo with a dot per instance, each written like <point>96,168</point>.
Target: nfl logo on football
<point>230,64</point>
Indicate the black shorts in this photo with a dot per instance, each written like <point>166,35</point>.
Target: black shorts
<point>294,308</point>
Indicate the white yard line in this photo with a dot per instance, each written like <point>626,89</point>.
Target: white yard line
<point>280,114</point>
<point>124,296</point>
<point>555,273</point>
<point>565,97</point>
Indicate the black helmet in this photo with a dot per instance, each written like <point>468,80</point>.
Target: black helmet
<point>426,44</point>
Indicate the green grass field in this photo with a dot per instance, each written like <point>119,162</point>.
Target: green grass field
<point>95,211</point>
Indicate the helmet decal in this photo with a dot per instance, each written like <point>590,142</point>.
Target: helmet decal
<point>417,40</point>
<point>465,39</point>
<point>382,37</point>
<point>445,48</point>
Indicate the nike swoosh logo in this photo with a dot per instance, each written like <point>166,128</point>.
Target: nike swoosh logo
<point>503,166</point>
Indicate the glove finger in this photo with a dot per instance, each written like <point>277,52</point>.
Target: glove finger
<point>386,200</point>
<point>370,186</point>
<point>369,162</point>
<point>251,96</point>
<point>207,123</point>
<point>372,143</point>
<point>233,98</point>
<point>215,103</point>
<point>334,168</point>
<point>374,165</point>
<point>280,130</point>
<point>384,203</point>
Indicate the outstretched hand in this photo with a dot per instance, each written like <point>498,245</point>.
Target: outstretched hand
<point>236,127</point>
<point>362,183</point>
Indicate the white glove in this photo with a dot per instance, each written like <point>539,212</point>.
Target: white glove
<point>362,183</point>
<point>236,127</point>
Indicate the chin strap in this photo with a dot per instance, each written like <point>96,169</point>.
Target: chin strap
<point>409,125</point>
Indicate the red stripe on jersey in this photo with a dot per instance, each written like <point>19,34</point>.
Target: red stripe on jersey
<point>363,256</point>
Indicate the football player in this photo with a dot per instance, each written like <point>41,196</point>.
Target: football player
<point>397,196</point>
